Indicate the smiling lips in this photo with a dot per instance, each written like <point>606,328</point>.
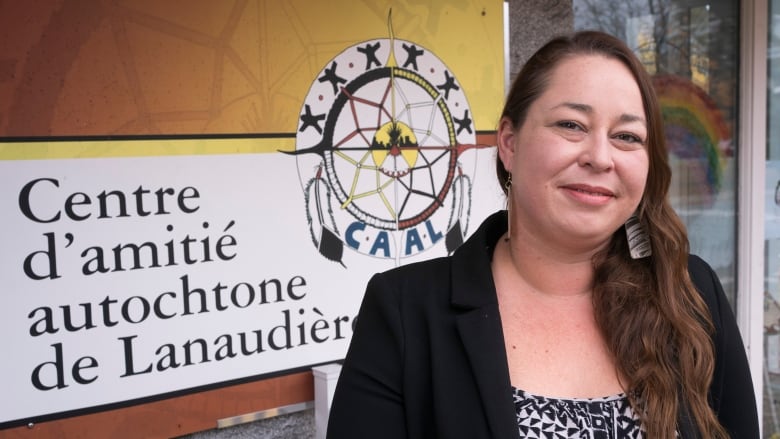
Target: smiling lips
<point>589,193</point>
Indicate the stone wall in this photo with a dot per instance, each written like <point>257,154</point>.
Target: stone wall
<point>532,23</point>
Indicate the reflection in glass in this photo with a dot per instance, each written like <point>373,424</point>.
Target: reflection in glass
<point>690,47</point>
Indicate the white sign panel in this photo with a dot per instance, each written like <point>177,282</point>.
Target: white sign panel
<point>126,278</point>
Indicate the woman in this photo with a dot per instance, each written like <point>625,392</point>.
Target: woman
<point>578,312</point>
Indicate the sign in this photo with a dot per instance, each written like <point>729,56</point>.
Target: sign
<point>139,266</point>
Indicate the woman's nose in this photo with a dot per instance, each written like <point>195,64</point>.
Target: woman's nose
<point>596,153</point>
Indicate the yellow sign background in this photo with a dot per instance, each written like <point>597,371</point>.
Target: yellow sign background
<point>159,68</point>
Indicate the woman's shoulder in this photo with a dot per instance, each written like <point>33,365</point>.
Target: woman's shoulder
<point>707,283</point>
<point>469,261</point>
<point>414,278</point>
<point>698,266</point>
<point>703,276</point>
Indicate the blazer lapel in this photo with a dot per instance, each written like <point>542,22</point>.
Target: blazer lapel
<point>480,330</point>
<point>479,325</point>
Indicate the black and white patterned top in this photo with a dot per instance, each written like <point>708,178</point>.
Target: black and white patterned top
<point>582,418</point>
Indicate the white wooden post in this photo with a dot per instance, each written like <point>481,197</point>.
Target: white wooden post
<point>325,378</point>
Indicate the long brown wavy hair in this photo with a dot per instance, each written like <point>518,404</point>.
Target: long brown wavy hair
<point>654,321</point>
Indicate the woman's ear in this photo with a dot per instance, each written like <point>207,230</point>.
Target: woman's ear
<point>506,143</point>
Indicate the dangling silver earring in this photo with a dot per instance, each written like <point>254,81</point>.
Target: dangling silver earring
<point>638,240</point>
<point>508,187</point>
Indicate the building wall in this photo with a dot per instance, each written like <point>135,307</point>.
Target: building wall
<point>292,426</point>
<point>531,23</point>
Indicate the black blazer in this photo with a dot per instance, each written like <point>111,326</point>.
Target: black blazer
<point>427,358</point>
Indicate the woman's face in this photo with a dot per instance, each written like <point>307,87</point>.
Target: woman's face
<point>579,161</point>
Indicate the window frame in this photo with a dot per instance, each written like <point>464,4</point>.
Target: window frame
<point>751,177</point>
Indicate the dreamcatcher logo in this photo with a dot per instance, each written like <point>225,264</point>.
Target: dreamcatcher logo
<point>383,151</point>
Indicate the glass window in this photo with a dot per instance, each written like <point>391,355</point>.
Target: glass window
<point>691,50</point>
<point>771,417</point>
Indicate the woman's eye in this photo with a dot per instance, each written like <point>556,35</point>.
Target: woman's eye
<point>569,125</point>
<point>629,138</point>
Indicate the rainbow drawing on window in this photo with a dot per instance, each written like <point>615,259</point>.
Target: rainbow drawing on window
<point>696,130</point>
